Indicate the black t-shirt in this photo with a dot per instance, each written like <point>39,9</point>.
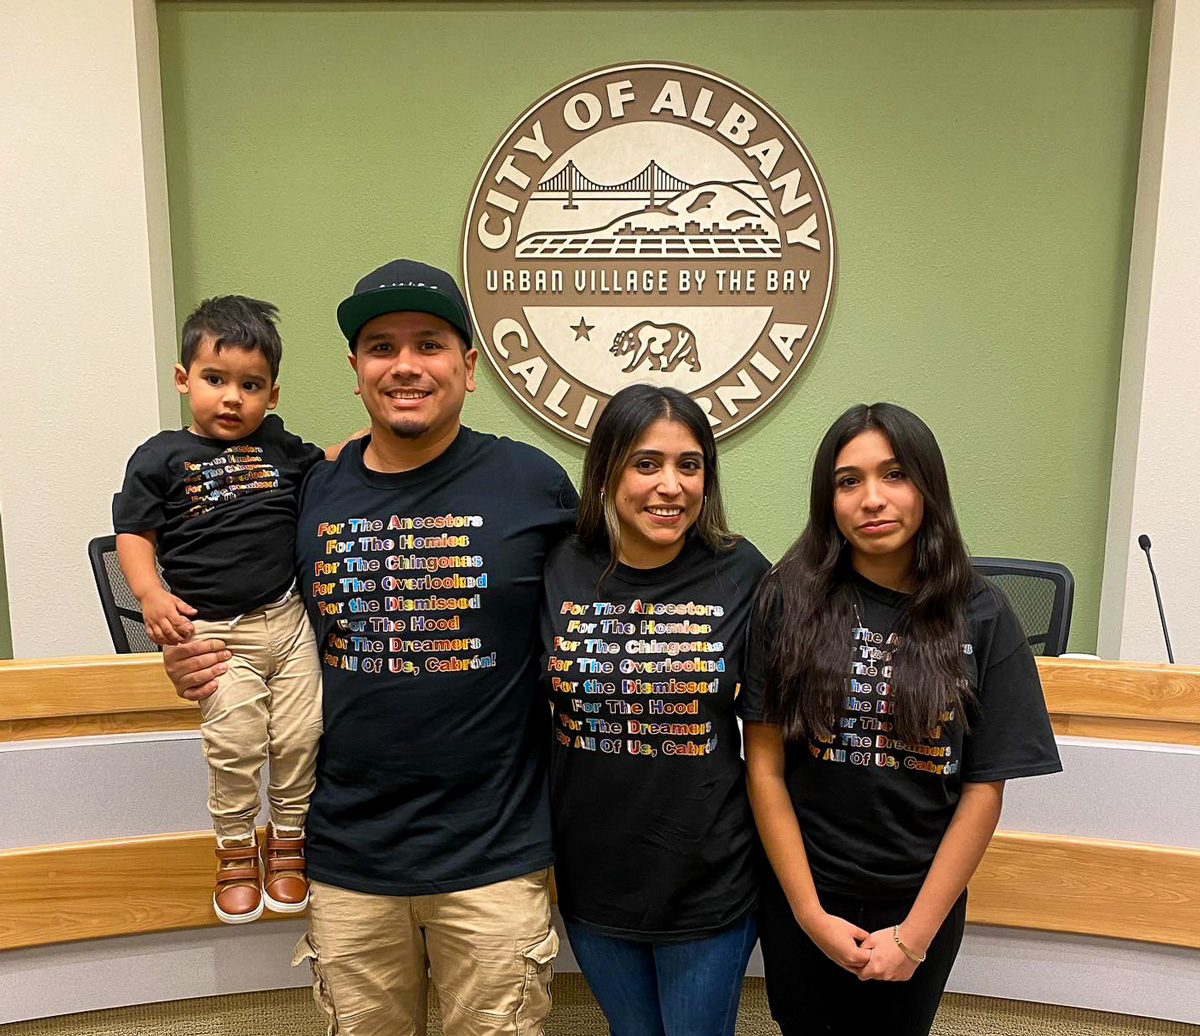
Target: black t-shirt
<point>424,588</point>
<point>224,513</point>
<point>872,809</point>
<point>652,827</point>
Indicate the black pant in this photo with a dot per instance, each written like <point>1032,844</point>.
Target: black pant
<point>810,994</point>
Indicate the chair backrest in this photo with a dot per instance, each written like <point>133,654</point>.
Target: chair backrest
<point>1042,594</point>
<point>121,610</point>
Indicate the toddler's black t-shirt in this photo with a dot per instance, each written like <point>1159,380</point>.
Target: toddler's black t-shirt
<point>224,513</point>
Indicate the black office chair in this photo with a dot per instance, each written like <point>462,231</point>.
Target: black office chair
<point>1041,593</point>
<point>121,610</point>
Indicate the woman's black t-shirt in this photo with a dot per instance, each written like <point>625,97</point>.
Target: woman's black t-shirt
<point>873,809</point>
<point>652,828</point>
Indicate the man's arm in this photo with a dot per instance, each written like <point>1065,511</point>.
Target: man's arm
<point>164,614</point>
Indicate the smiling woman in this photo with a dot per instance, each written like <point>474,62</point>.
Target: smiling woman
<point>659,494</point>
<point>650,477</point>
<point>644,624</point>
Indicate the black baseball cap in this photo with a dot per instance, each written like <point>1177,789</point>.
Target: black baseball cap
<point>404,285</point>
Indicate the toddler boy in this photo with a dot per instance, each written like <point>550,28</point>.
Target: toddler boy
<point>216,503</point>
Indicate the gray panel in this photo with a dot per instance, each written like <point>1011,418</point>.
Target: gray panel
<point>88,788</point>
<point>1077,971</point>
<point>69,791</point>
<point>1080,971</point>
<point>139,969</point>
<point>109,788</point>
<point>146,784</point>
<point>1110,789</point>
<point>142,969</point>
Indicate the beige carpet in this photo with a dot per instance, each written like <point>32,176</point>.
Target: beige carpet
<point>290,1012</point>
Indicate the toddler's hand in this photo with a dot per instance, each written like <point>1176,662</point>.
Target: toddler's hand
<point>165,616</point>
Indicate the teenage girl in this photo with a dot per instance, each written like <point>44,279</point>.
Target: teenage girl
<point>893,693</point>
<point>647,607</point>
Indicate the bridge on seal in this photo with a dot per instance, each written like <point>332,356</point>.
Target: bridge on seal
<point>652,185</point>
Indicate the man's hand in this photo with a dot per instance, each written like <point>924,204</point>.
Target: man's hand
<point>888,962</point>
<point>194,667</point>
<point>165,616</point>
<point>839,940</point>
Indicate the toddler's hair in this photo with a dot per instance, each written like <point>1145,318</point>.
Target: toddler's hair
<point>234,320</point>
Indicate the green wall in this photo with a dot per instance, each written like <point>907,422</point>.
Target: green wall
<point>980,159</point>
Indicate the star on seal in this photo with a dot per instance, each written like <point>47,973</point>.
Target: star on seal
<point>581,330</point>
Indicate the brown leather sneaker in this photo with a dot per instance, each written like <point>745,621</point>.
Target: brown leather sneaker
<point>285,886</point>
<point>238,897</point>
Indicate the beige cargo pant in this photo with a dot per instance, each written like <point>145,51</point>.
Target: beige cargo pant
<point>267,706</point>
<point>487,951</point>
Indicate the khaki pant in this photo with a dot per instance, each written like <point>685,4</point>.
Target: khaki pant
<point>266,706</point>
<point>487,950</point>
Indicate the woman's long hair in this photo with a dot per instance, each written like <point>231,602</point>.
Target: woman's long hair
<point>811,593</point>
<point>619,429</point>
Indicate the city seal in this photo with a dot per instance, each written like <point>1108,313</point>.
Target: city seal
<point>648,222</point>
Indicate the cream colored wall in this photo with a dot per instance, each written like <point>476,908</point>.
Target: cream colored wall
<point>1156,457</point>
<point>85,270</point>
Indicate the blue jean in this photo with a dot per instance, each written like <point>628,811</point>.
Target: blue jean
<point>687,988</point>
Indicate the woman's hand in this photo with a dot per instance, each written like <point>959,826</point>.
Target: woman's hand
<point>888,962</point>
<point>839,940</point>
<point>193,667</point>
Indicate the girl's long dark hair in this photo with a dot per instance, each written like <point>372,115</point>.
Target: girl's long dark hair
<point>618,431</point>
<point>811,593</point>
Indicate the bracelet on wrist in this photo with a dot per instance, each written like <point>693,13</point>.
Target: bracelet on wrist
<point>916,958</point>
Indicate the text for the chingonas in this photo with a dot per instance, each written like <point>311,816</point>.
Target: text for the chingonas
<point>864,738</point>
<point>614,673</point>
<point>399,589</point>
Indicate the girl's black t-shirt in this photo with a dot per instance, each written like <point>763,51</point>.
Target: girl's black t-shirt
<point>873,809</point>
<point>653,834</point>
